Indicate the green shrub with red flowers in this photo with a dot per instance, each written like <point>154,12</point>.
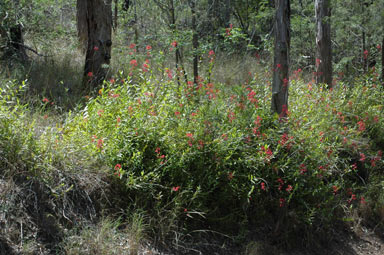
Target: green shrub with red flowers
<point>208,154</point>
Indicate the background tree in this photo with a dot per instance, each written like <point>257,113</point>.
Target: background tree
<point>323,42</point>
<point>11,31</point>
<point>195,42</point>
<point>94,23</point>
<point>281,58</point>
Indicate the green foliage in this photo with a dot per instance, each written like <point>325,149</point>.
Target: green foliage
<point>215,154</point>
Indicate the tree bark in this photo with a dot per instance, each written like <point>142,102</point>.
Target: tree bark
<point>323,42</point>
<point>14,38</point>
<point>95,29</point>
<point>195,44</point>
<point>281,58</point>
<point>15,44</point>
<point>382,61</point>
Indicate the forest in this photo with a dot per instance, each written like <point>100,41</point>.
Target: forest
<point>191,127</point>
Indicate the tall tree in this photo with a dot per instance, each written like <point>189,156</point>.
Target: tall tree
<point>382,61</point>
<point>323,42</point>
<point>281,57</point>
<point>11,31</point>
<point>195,43</point>
<point>94,24</point>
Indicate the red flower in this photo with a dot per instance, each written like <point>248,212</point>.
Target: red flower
<point>362,157</point>
<point>285,82</point>
<point>289,188</point>
<point>132,45</point>
<point>281,183</point>
<point>95,48</point>
<point>117,167</point>
<point>157,150</point>
<point>318,61</point>
<point>89,74</point>
<point>190,135</point>
<point>174,44</point>
<point>361,126</point>
<point>149,47</point>
<point>303,169</point>
<point>278,66</point>
<point>378,47</point>
<point>100,143</point>
<point>201,144</point>
<point>45,100</point>
<point>177,113</point>
<point>211,53</point>
<point>133,62</point>
<point>176,188</point>
<point>262,185</point>
<point>335,189</point>
<point>365,54</point>
<point>281,202</point>
<point>118,119</point>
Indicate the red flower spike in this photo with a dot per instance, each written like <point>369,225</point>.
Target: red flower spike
<point>175,189</point>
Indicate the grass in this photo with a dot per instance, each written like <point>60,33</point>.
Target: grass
<point>146,159</point>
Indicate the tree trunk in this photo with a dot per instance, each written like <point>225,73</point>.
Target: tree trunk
<point>15,44</point>
<point>95,28</point>
<point>226,13</point>
<point>382,61</point>
<point>281,58</point>
<point>323,42</point>
<point>195,44</point>
<point>365,55</point>
<point>15,48</point>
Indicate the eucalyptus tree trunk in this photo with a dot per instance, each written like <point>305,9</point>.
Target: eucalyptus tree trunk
<point>227,13</point>
<point>323,42</point>
<point>94,23</point>
<point>173,26</point>
<point>15,44</point>
<point>13,34</point>
<point>281,58</point>
<point>382,61</point>
<point>195,43</point>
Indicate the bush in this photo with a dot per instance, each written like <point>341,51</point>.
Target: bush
<point>214,154</point>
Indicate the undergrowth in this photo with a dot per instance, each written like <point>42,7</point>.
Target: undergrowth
<point>154,157</point>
